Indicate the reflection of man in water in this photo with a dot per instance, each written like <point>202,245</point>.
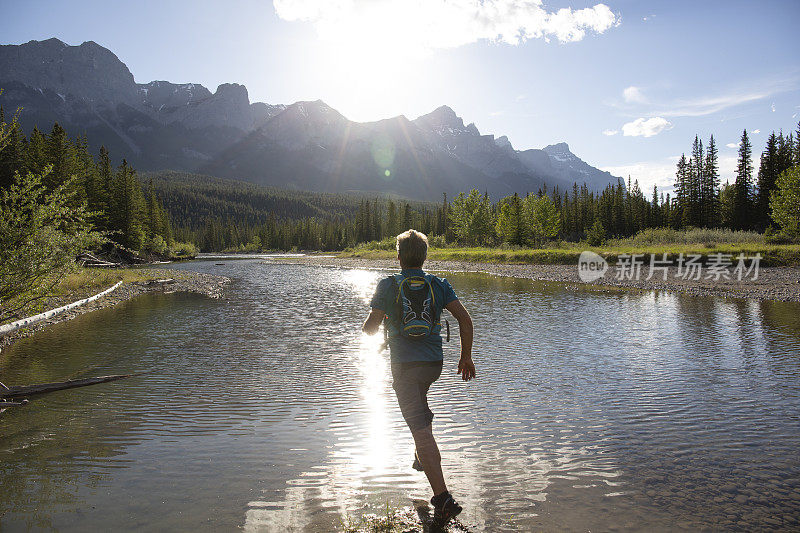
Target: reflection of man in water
<point>417,361</point>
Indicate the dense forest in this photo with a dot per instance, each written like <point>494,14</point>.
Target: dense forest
<point>219,214</point>
<point>223,214</point>
<point>118,207</point>
<point>153,213</point>
<point>57,202</point>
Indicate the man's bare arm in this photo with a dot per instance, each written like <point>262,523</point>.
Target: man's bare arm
<point>373,322</point>
<point>465,365</point>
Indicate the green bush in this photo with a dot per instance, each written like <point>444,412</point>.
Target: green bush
<point>596,234</point>
<point>785,202</point>
<point>41,233</point>
<point>156,245</point>
<point>705,236</point>
<point>437,241</point>
<point>774,236</point>
<point>183,250</point>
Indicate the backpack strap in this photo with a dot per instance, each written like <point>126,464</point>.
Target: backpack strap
<point>437,314</point>
<point>397,308</point>
<point>426,278</point>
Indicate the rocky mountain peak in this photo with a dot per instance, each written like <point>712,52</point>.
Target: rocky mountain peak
<point>88,71</point>
<point>441,117</point>
<point>52,42</point>
<point>558,148</point>
<point>163,94</point>
<point>233,91</point>
<point>307,145</point>
<point>503,142</point>
<point>314,110</point>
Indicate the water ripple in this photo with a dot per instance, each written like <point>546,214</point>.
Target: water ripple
<point>269,410</point>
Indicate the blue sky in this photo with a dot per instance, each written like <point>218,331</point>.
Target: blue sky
<point>626,83</point>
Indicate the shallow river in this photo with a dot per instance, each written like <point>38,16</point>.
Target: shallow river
<point>268,410</point>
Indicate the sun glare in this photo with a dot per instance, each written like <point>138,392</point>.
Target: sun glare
<point>372,63</point>
<point>372,78</point>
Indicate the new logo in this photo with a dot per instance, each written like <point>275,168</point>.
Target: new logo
<point>591,266</point>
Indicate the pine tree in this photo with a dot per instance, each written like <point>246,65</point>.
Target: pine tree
<point>13,155</point>
<point>408,221</point>
<point>710,208</point>
<point>153,219</point>
<point>785,159</point>
<point>99,186</point>
<point>510,224</point>
<point>727,205</point>
<point>693,214</point>
<point>376,221</point>
<point>654,220</point>
<point>37,152</point>
<point>442,228</point>
<point>681,191</point>
<point>127,208</point>
<point>767,175</point>
<point>391,219</point>
<point>743,186</point>
<point>797,145</point>
<point>58,154</point>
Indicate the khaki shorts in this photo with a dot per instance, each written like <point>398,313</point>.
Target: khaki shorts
<point>411,382</point>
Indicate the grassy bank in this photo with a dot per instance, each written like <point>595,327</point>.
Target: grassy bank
<point>83,283</point>
<point>94,280</point>
<point>661,241</point>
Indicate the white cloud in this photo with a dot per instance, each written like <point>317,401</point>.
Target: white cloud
<point>634,95</point>
<point>756,132</point>
<point>442,23</point>
<point>610,132</point>
<point>706,105</point>
<point>733,145</point>
<point>649,127</point>
<point>773,107</point>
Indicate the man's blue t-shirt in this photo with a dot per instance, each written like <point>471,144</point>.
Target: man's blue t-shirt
<point>403,349</point>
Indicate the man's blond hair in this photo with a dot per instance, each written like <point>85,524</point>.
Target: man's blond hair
<point>412,248</point>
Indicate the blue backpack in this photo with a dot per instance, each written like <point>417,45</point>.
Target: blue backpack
<point>417,315</point>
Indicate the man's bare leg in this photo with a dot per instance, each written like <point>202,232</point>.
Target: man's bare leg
<point>430,458</point>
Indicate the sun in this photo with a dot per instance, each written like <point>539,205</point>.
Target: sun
<point>374,79</point>
<point>370,59</point>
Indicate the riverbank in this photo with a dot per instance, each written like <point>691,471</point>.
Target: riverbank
<point>135,281</point>
<point>773,283</point>
<point>773,255</point>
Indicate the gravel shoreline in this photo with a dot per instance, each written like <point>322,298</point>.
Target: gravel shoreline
<point>184,281</point>
<point>773,283</point>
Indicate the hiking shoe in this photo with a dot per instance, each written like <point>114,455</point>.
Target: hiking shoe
<point>445,508</point>
<point>417,465</point>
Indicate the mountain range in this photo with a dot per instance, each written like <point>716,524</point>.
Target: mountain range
<point>304,146</point>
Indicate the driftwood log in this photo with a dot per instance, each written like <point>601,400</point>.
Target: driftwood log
<point>89,260</point>
<point>30,390</point>
<point>10,404</point>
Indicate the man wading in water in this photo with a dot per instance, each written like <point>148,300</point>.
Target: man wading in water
<point>412,303</point>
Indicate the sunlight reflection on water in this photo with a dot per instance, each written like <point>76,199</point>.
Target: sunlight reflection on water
<point>270,410</point>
